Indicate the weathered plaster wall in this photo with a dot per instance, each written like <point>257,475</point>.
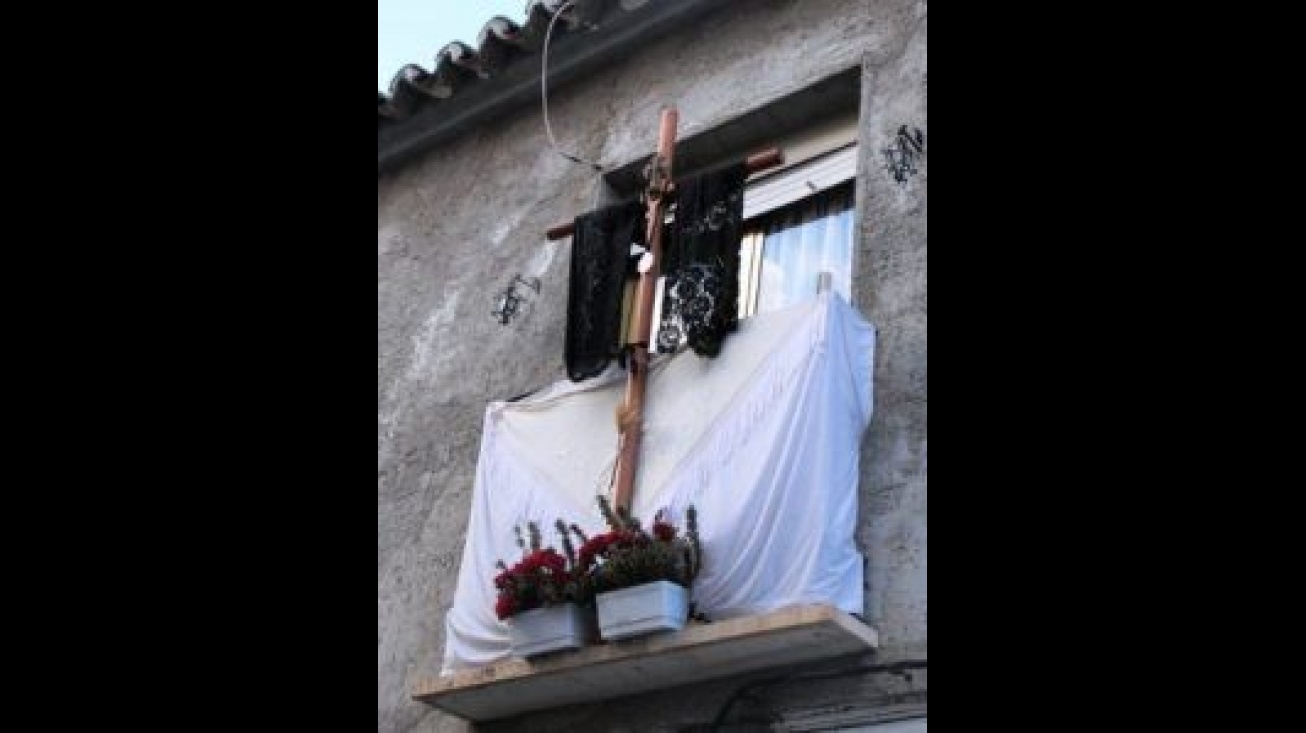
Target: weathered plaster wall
<point>456,225</point>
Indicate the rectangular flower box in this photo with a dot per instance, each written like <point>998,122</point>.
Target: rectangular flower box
<point>549,629</point>
<point>642,609</point>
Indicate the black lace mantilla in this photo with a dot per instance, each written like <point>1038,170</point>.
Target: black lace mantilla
<point>701,302</point>
<point>600,253</point>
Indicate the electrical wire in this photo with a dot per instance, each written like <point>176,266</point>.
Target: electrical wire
<point>544,94</point>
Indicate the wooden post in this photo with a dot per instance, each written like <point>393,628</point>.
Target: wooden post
<point>631,419</point>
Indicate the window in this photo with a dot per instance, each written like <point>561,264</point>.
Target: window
<point>799,228</point>
<point>786,253</point>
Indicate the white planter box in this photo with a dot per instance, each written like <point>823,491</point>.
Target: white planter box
<point>550,629</point>
<point>643,609</point>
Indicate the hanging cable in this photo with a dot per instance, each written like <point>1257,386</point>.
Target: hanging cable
<point>544,94</point>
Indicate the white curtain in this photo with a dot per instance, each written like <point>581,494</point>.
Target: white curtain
<point>763,440</point>
<point>801,243</point>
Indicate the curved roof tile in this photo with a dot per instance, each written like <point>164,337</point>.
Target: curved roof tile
<point>500,43</point>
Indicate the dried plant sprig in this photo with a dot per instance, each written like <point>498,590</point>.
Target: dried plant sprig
<point>568,549</point>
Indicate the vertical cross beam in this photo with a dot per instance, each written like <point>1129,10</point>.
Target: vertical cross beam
<point>631,420</point>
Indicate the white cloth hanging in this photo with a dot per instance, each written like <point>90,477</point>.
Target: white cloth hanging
<point>764,440</point>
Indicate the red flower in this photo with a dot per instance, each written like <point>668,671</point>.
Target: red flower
<point>539,578</point>
<point>541,560</point>
<point>596,546</point>
<point>663,531</point>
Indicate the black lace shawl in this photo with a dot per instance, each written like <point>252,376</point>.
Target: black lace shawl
<point>600,253</point>
<point>701,262</point>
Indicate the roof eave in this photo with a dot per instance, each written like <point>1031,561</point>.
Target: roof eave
<point>571,56</point>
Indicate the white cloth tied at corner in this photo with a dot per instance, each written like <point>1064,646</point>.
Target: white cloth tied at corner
<point>764,440</point>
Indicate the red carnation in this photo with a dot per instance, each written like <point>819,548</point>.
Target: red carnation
<point>596,545</point>
<point>663,531</point>
<point>541,577</point>
<point>553,561</point>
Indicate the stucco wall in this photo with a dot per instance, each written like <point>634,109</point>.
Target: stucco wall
<point>454,227</point>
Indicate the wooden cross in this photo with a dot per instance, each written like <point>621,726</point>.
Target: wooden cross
<point>631,422</point>
<point>658,195</point>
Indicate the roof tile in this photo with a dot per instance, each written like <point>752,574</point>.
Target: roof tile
<point>500,43</point>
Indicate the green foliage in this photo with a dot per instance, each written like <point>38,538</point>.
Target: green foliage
<point>628,555</point>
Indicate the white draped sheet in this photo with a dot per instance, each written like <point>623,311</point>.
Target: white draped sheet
<point>763,440</point>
